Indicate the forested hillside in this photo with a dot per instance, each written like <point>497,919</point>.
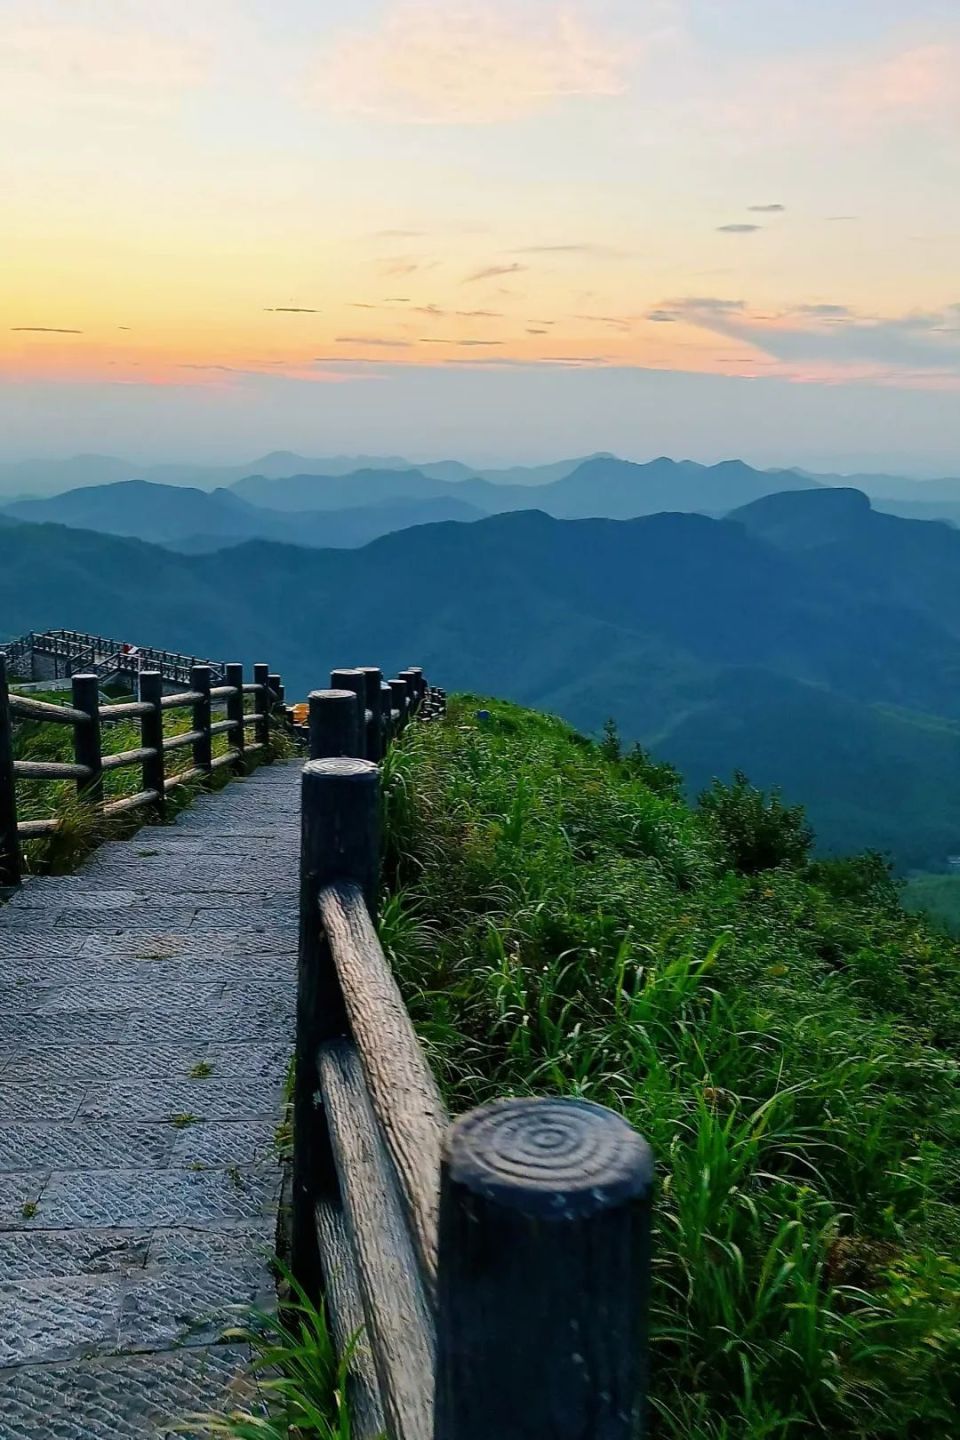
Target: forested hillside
<point>807,640</point>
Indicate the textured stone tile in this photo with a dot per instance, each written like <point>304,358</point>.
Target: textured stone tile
<point>39,1099</point>
<point>17,1191</point>
<point>142,1397</point>
<point>70,892</point>
<point>160,944</point>
<point>85,1145</point>
<point>49,1254</point>
<point>137,917</point>
<point>268,1062</point>
<point>234,1098</point>
<point>165,1197</point>
<point>247,1021</point>
<point>51,1027</point>
<point>104,1062</point>
<point>26,999</point>
<point>49,1320</point>
<point>220,1144</point>
<point>104,995</point>
<point>190,1304</point>
<point>37,940</point>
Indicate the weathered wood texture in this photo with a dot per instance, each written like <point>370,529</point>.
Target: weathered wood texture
<point>399,1322</point>
<point>404,1092</point>
<point>151,737</point>
<point>347,1320</point>
<point>11,865</point>
<point>334,725</point>
<point>543,1268</point>
<point>87,746</point>
<point>340,829</point>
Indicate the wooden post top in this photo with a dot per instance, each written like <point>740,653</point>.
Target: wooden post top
<point>552,1159</point>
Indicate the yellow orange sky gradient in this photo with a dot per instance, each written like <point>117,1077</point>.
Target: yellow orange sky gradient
<point>193,194</point>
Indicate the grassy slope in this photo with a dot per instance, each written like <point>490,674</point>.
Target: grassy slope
<point>561,922</point>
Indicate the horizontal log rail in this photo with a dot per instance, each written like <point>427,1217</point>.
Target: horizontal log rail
<point>499,1264</point>
<point>89,717</point>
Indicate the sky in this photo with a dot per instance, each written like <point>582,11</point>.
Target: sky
<point>497,229</point>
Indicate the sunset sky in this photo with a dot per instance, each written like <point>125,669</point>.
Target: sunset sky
<point>509,228</point>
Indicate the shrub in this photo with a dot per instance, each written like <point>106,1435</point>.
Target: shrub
<point>757,831</point>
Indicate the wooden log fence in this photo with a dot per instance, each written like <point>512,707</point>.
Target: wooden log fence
<point>249,734</point>
<point>495,1267</point>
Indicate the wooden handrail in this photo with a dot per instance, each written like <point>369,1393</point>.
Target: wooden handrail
<point>87,717</point>
<point>499,1264</point>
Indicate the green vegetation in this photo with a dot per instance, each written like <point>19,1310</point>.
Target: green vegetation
<point>781,1030</point>
<point>808,638</point>
<point>937,896</point>
<point>301,1383</point>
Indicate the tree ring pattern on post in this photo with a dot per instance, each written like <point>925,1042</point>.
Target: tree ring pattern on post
<point>562,1159</point>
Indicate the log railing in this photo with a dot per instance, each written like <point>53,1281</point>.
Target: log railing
<point>495,1268</point>
<point>157,755</point>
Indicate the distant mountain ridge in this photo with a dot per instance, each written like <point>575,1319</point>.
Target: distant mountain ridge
<point>806,639</point>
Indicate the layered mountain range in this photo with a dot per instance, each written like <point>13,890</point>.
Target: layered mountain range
<point>805,638</point>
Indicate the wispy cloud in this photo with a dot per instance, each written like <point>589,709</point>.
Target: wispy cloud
<point>616,322</point>
<point>381,340</point>
<point>916,343</point>
<point>43,330</point>
<point>767,209</point>
<point>493,272</point>
<point>599,252</point>
<point>428,62</point>
<point>479,314</point>
<point>289,310</point>
<point>738,229</point>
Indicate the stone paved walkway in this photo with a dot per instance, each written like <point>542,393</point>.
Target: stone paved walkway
<point>146,1024</point>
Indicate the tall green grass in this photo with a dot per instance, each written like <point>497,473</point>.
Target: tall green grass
<point>786,1038</point>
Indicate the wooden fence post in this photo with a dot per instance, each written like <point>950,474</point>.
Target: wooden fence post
<point>233,675</point>
<point>87,749</point>
<point>372,679</point>
<point>276,691</point>
<point>409,678</point>
<point>399,701</point>
<point>340,840</point>
<point>544,1264</point>
<point>11,862</point>
<point>355,680</point>
<point>334,724</point>
<point>151,735</point>
<point>386,711</point>
<point>261,704</point>
<point>203,746</point>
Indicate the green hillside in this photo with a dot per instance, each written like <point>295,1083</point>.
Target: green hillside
<point>816,647</point>
<point>780,1030</point>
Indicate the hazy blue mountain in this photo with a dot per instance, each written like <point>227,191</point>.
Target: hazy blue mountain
<point>772,641</point>
<point>603,486</point>
<point>340,492</point>
<point>198,521</point>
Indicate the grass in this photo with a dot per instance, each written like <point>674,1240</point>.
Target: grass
<point>782,1031</point>
<point>300,1383</point>
<point>784,1035</point>
<point>81,827</point>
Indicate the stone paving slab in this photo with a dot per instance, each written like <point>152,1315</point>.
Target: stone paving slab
<point>147,1011</point>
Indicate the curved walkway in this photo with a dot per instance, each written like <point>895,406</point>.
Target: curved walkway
<point>146,1025</point>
